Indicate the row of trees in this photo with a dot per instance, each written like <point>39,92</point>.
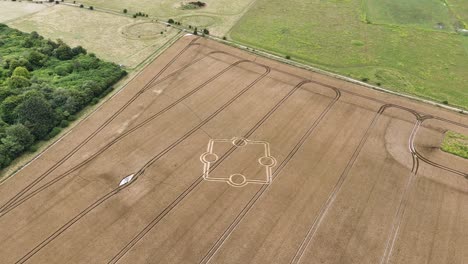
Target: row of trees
<point>195,30</point>
<point>43,85</point>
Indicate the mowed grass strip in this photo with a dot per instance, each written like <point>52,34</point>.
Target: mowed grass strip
<point>456,144</point>
<point>111,37</point>
<point>334,36</point>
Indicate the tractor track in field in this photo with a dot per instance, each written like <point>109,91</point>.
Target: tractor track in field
<point>137,174</point>
<point>26,193</point>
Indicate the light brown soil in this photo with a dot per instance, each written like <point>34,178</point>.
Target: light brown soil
<point>359,176</point>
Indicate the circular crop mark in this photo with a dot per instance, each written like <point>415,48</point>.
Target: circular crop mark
<point>209,157</point>
<point>237,180</point>
<point>267,161</point>
<point>143,30</point>
<point>239,142</point>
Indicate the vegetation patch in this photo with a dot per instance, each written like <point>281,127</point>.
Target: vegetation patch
<point>138,14</point>
<point>456,144</point>
<point>43,85</point>
<point>193,5</point>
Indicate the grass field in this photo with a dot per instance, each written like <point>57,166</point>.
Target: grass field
<point>13,10</point>
<point>429,14</point>
<point>456,143</point>
<point>408,55</point>
<point>214,155</point>
<point>119,39</point>
<point>218,15</point>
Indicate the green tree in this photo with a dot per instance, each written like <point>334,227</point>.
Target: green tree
<point>94,87</point>
<point>21,71</point>
<point>14,63</point>
<point>78,50</point>
<point>36,58</point>
<point>63,51</point>
<point>35,35</point>
<point>5,92</point>
<point>3,127</point>
<point>64,69</point>
<point>4,156</point>
<point>16,82</point>
<point>36,113</point>
<point>18,138</point>
<point>7,108</point>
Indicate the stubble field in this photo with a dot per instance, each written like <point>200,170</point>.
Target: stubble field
<point>214,155</point>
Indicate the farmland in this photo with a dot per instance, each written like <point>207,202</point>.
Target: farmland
<point>218,15</point>
<point>119,39</point>
<point>10,11</point>
<point>406,46</point>
<point>215,155</point>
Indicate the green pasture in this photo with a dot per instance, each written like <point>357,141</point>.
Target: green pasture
<point>395,53</point>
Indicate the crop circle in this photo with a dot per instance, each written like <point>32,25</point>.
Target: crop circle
<point>209,157</point>
<point>237,179</point>
<point>267,161</point>
<point>239,142</point>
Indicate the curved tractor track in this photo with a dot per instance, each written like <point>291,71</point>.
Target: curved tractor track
<point>22,198</point>
<point>325,186</point>
<point>101,127</point>
<point>141,171</point>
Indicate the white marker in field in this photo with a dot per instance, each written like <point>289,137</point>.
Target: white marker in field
<point>126,180</point>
